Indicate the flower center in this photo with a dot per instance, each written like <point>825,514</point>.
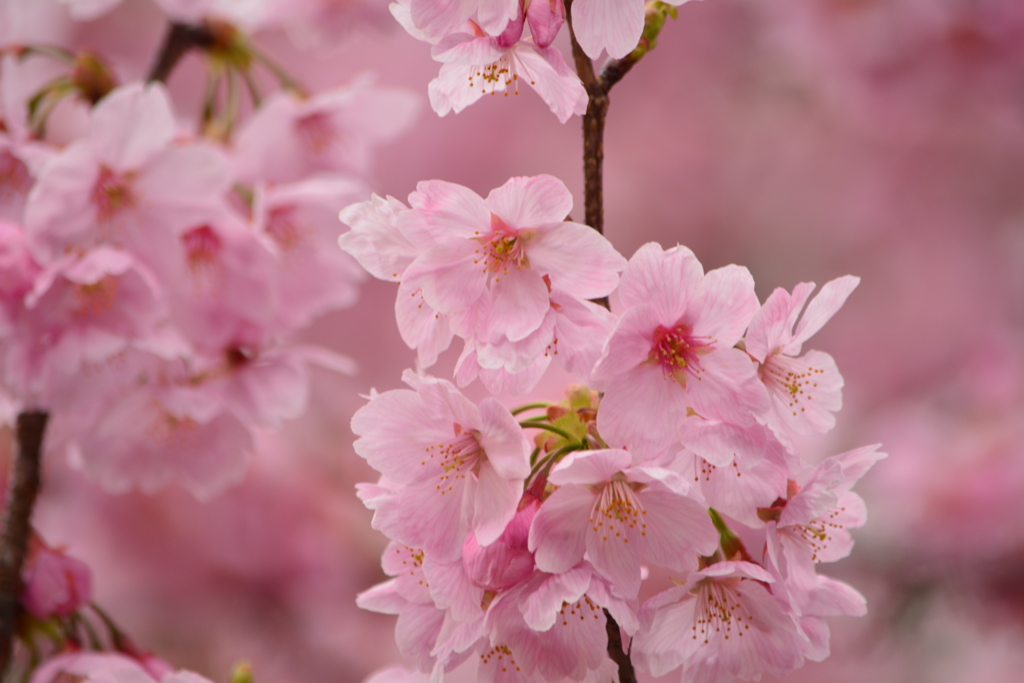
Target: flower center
<point>818,532</point>
<point>112,194</point>
<point>504,249</point>
<point>282,229</point>
<point>618,513</point>
<point>678,352</point>
<point>317,132</point>
<point>719,610</point>
<point>457,458</point>
<point>14,176</point>
<point>791,380</point>
<point>496,76</point>
<point>202,250</point>
<point>95,298</point>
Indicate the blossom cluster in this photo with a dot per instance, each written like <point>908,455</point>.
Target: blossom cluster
<point>674,458</point>
<point>485,49</point>
<point>154,280</point>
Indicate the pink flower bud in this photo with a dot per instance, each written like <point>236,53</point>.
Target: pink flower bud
<point>55,584</point>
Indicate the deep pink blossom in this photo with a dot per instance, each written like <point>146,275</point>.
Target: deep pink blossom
<point>56,584</point>
<point>672,350</point>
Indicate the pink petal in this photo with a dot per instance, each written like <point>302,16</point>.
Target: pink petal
<point>450,209</point>
<point>527,203</point>
<point>130,125</point>
<point>665,280</point>
<point>829,300</point>
<point>560,88</point>
<point>727,304</point>
<point>517,306</point>
<point>678,530</point>
<point>503,440</point>
<point>449,275</point>
<point>728,388</point>
<point>558,532</point>
<point>590,467</point>
<point>612,25</point>
<point>641,411</point>
<point>579,260</point>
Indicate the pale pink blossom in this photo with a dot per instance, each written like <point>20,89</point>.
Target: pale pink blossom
<point>619,516</point>
<point>111,667</point>
<point>300,219</point>
<point>805,390</point>
<point>672,350</point>
<point>813,522</point>
<point>83,309</point>
<point>126,180</point>
<point>573,333</point>
<point>512,246</point>
<point>721,623</point>
<point>289,137</point>
<point>476,64</point>
<point>157,433</point>
<point>462,465</point>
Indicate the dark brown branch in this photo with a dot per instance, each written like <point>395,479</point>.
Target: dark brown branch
<point>593,131</point>
<point>620,656</point>
<point>179,40</point>
<point>21,497</point>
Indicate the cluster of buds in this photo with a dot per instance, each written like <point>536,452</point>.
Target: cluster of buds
<point>673,461</point>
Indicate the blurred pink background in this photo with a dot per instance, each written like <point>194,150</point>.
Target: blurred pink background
<point>804,139</point>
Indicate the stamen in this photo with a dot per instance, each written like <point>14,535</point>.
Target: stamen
<point>96,298</point>
<point>112,194</point>
<point>678,352</point>
<point>618,513</point>
<point>719,610</point>
<point>457,458</point>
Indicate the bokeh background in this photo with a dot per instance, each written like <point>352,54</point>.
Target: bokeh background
<point>804,139</point>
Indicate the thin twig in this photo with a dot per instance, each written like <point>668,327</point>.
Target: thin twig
<point>618,655</point>
<point>179,40</point>
<point>21,497</point>
<point>593,131</point>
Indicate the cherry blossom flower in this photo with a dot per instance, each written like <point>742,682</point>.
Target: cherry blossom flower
<point>462,466</point>
<point>720,624</point>
<point>504,246</point>
<point>289,138</point>
<point>813,522</point>
<point>672,350</point>
<point>301,220</point>
<point>476,64</point>
<point>83,309</point>
<point>619,515</point>
<point>805,391</point>
<point>125,181</point>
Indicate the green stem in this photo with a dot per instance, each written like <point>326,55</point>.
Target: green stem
<point>57,53</point>
<point>529,406</point>
<point>529,424</point>
<point>254,91</point>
